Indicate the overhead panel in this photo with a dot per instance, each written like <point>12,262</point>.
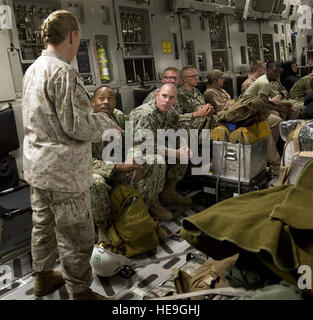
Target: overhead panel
<point>239,4</point>
<point>262,5</point>
<point>216,6</point>
<point>223,2</point>
<point>279,6</point>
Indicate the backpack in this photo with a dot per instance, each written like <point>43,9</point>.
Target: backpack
<point>244,112</point>
<point>133,230</point>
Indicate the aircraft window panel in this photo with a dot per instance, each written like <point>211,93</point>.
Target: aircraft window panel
<point>309,42</point>
<point>219,59</point>
<point>277,49</point>
<point>243,55</point>
<point>310,58</point>
<point>83,58</point>
<point>253,47</point>
<point>282,50</point>
<point>190,53</point>
<point>202,61</point>
<point>105,14</point>
<point>139,70</point>
<point>186,22</point>
<point>149,73</point>
<point>202,23</point>
<point>268,47</point>
<point>241,25</point>
<point>130,70</point>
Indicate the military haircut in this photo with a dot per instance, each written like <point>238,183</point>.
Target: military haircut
<point>167,84</point>
<point>102,86</point>
<point>255,65</point>
<point>183,70</point>
<point>171,69</point>
<point>273,65</point>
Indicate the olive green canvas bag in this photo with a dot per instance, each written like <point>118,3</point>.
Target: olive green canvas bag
<point>133,231</point>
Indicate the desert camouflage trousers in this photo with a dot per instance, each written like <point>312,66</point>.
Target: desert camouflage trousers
<point>63,224</point>
<point>152,183</point>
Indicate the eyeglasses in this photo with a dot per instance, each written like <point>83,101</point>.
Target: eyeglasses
<point>169,78</point>
<point>193,76</point>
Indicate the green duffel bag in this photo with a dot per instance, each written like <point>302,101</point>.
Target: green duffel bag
<point>133,231</point>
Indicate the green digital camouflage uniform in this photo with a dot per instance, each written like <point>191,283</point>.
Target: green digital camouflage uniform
<point>59,125</point>
<point>185,108</point>
<point>301,88</point>
<point>147,116</point>
<point>192,102</point>
<point>105,178</point>
<point>278,89</point>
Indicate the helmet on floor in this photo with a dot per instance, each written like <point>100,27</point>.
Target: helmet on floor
<point>106,263</point>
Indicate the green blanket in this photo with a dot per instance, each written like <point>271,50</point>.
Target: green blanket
<point>276,224</point>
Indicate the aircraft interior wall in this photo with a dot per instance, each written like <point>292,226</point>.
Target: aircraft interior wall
<point>138,39</point>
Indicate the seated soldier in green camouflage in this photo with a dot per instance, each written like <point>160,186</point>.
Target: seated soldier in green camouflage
<point>107,174</point>
<point>186,115</point>
<point>194,101</point>
<point>161,115</point>
<point>301,88</point>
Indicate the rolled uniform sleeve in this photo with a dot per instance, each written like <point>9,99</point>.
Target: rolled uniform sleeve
<point>74,110</point>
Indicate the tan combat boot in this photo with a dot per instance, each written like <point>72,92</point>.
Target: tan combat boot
<point>89,295</point>
<point>47,282</point>
<point>171,196</point>
<point>157,210</point>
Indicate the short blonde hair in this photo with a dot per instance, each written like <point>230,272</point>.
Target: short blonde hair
<point>255,65</point>
<point>57,25</point>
